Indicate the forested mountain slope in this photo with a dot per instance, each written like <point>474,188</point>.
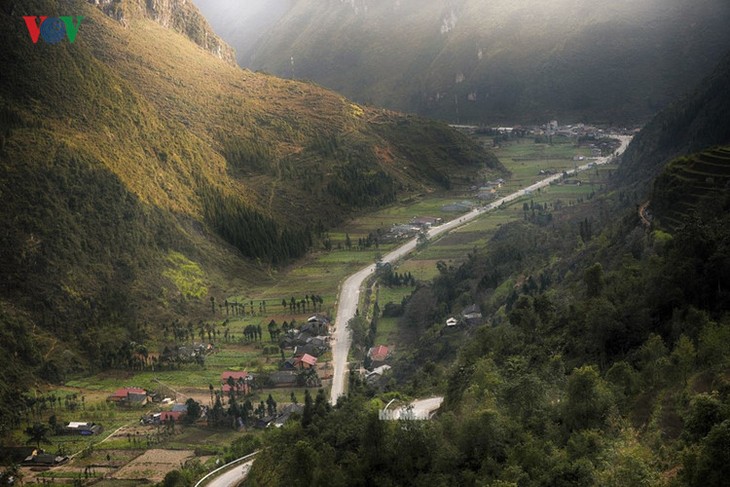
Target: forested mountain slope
<point>500,60</point>
<point>140,174</point>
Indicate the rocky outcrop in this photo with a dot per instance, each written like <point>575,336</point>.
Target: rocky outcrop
<point>180,15</point>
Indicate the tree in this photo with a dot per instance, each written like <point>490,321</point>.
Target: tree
<point>653,361</point>
<point>38,433</point>
<point>683,357</point>
<point>194,411</point>
<point>589,401</point>
<point>709,465</point>
<point>360,333</point>
<point>704,412</point>
<point>308,411</point>
<point>176,478</point>
<point>270,405</point>
<point>593,279</point>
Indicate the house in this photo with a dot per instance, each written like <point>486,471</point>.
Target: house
<point>319,341</point>
<point>283,378</point>
<point>132,396</point>
<point>309,349</point>
<point>262,423</point>
<point>472,315</point>
<point>180,408</point>
<point>374,377</point>
<point>300,362</point>
<point>307,361</point>
<point>318,319</point>
<point>44,460</point>
<point>290,363</point>
<point>237,381</point>
<point>171,416</point>
<point>286,413</point>
<point>452,322</point>
<point>378,354</point>
<point>85,429</point>
<point>426,222</point>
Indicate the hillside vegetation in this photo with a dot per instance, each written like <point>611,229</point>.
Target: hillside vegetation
<point>499,60</point>
<point>692,185</point>
<point>134,156</point>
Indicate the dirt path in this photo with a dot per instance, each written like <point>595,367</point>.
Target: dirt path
<point>642,214</point>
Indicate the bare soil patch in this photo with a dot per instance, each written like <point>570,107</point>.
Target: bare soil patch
<point>153,465</point>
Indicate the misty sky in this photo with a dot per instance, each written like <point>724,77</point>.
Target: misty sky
<point>227,16</point>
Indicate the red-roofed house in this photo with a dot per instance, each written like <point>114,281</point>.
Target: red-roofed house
<point>129,395</point>
<point>235,375</point>
<point>307,360</point>
<point>378,354</point>
<point>239,382</point>
<point>171,416</point>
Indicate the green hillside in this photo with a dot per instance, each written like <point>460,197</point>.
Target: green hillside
<point>692,185</point>
<point>499,60</point>
<point>140,174</point>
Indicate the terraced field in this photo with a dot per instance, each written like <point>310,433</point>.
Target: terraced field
<point>691,182</point>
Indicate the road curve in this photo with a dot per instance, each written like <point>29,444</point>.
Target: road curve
<point>232,477</point>
<point>349,293</point>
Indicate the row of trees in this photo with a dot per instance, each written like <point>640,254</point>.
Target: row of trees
<point>311,303</point>
<point>391,278</point>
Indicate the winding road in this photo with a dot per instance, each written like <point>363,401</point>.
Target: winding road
<point>350,292</point>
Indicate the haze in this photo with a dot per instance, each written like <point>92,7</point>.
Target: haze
<point>241,23</point>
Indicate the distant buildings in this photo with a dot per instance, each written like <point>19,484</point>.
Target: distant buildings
<point>129,396</point>
<point>84,429</point>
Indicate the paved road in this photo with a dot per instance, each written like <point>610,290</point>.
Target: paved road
<point>232,477</point>
<point>423,408</point>
<point>350,291</point>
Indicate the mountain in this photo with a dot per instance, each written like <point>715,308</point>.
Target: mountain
<point>142,173</point>
<point>695,122</point>
<point>497,60</point>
